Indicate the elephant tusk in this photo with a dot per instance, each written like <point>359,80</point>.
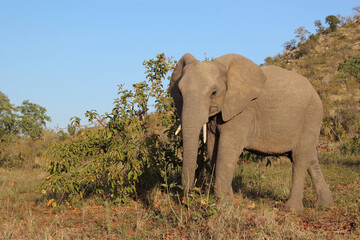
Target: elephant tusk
<point>178,130</point>
<point>204,133</point>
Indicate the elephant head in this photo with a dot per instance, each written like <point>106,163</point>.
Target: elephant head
<point>203,89</point>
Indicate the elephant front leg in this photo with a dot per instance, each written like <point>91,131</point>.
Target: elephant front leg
<point>228,154</point>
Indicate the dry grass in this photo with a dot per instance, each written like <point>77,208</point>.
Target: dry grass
<point>256,214</point>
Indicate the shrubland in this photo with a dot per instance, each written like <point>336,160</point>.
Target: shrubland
<point>119,177</point>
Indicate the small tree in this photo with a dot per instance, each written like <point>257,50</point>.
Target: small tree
<point>333,21</point>
<point>356,12</point>
<point>301,34</point>
<point>32,119</point>
<point>7,116</point>
<point>290,45</point>
<point>319,27</point>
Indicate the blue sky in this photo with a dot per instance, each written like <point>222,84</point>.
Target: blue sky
<point>70,55</point>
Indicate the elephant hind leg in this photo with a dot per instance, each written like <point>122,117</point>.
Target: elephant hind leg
<point>324,197</point>
<point>305,159</point>
<point>300,164</point>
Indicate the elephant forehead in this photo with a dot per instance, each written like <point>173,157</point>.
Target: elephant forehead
<point>203,67</point>
<point>202,71</point>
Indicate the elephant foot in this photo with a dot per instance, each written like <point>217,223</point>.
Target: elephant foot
<point>293,206</point>
<point>224,199</point>
<point>324,201</point>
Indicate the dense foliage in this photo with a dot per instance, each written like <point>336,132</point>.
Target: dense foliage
<point>29,119</point>
<point>351,67</point>
<point>7,116</point>
<point>123,157</point>
<point>333,21</point>
<point>32,119</point>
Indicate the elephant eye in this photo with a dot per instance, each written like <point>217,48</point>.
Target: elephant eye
<point>213,93</point>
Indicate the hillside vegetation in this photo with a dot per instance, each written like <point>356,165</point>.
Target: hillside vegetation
<point>120,177</point>
<point>331,61</point>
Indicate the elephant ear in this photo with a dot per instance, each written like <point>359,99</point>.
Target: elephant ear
<point>175,78</point>
<point>244,82</point>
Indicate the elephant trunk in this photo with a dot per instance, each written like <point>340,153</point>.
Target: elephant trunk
<point>193,118</point>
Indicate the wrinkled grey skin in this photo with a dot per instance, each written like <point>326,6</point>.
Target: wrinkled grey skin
<point>269,110</point>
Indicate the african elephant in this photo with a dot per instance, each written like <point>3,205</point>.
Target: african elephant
<point>268,110</point>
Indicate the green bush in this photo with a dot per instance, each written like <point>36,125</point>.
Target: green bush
<point>268,61</point>
<point>123,157</point>
<point>351,146</point>
<point>314,37</point>
<point>351,67</point>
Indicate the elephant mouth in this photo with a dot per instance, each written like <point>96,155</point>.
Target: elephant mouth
<point>213,110</point>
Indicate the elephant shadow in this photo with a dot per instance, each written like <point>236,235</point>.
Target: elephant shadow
<point>255,191</point>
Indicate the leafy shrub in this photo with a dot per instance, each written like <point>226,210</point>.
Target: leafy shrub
<point>123,157</point>
<point>269,60</point>
<point>351,146</point>
<point>351,67</point>
<point>314,37</point>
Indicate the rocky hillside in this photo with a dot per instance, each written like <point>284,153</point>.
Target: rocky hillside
<point>331,61</point>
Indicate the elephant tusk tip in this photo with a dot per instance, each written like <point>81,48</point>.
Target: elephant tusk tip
<point>178,130</point>
<point>204,133</point>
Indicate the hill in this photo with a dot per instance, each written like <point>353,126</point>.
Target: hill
<point>331,61</point>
